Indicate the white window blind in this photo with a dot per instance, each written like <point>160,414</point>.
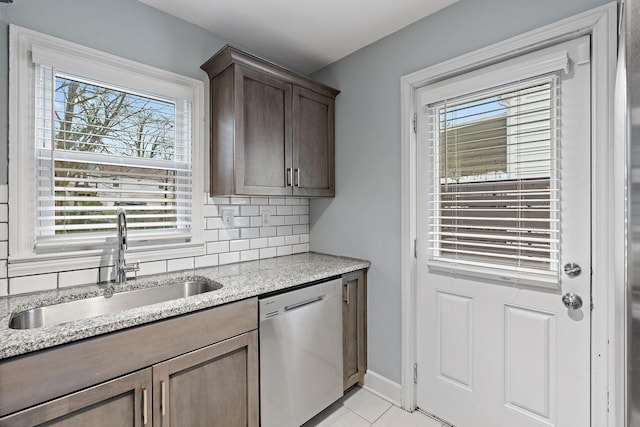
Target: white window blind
<point>99,147</point>
<point>494,195</point>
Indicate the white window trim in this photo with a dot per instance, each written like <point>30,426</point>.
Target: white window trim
<point>608,204</point>
<point>24,44</point>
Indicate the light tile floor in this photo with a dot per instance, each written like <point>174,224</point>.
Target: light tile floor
<point>361,408</point>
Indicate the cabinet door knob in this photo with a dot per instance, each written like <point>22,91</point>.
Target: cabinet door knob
<point>289,176</point>
<point>297,177</point>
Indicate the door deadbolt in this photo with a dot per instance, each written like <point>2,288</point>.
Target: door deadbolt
<point>572,269</point>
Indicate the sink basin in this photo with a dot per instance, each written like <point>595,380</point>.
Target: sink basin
<point>97,306</point>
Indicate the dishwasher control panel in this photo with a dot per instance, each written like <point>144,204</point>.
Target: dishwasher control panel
<point>292,300</point>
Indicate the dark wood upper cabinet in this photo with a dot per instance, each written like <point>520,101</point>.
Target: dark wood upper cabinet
<point>272,131</point>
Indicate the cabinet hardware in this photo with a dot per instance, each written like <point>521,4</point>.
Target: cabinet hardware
<point>346,293</point>
<point>163,398</point>
<point>144,406</point>
<point>297,177</point>
<point>289,176</point>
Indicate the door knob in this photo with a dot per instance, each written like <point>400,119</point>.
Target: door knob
<point>572,301</point>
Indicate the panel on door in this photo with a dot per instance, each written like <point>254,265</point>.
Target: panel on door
<point>214,386</point>
<point>313,147</point>
<point>263,129</point>
<point>503,204</point>
<point>122,402</point>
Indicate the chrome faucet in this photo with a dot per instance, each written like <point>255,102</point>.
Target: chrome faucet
<point>121,246</point>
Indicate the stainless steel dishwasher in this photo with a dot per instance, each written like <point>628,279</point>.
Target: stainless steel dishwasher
<point>300,353</point>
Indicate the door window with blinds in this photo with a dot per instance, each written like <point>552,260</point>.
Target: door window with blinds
<point>90,133</point>
<point>494,193</point>
<point>101,147</point>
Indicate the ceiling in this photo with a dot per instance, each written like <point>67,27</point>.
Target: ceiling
<point>301,34</point>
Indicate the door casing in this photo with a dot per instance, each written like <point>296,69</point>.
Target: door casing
<point>608,166</point>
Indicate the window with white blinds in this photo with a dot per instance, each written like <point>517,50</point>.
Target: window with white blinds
<point>100,147</point>
<point>494,197</point>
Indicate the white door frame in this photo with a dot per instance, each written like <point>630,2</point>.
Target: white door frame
<point>608,205</point>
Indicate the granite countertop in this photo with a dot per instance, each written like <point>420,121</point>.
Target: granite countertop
<point>239,281</point>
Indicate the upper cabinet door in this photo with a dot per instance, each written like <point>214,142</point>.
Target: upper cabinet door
<point>313,146</point>
<point>263,134</point>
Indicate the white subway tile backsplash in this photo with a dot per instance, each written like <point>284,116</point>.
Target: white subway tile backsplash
<point>152,267</point>
<point>229,257</point>
<point>277,201</point>
<point>268,253</point>
<point>214,223</point>
<point>4,193</point>
<point>284,250</point>
<point>249,233</point>
<point>284,210</point>
<point>229,234</point>
<point>240,200</point>
<point>40,282</point>
<point>268,231</point>
<point>239,245</point>
<point>210,235</point>
<point>78,277</point>
<point>217,247</point>
<point>273,210</point>
<point>259,200</point>
<point>259,243</point>
<point>250,255</point>
<point>180,264</point>
<point>206,261</point>
<point>301,210</point>
<point>292,220</point>
<point>248,239</point>
<point>210,210</point>
<point>300,229</point>
<point>276,241</point>
<point>276,220</point>
<point>302,248</point>
<point>284,230</point>
<point>292,240</point>
<point>221,201</point>
<point>4,231</point>
<point>249,210</point>
<point>242,221</point>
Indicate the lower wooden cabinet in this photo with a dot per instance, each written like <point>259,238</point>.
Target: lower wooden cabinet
<point>214,386</point>
<point>354,324</point>
<point>123,402</point>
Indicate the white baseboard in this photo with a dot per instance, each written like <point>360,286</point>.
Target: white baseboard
<point>383,387</point>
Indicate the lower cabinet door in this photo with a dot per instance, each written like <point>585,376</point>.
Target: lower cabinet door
<point>123,402</point>
<point>214,386</point>
<point>354,325</point>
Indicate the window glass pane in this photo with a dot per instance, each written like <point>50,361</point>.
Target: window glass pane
<point>110,147</point>
<point>495,196</point>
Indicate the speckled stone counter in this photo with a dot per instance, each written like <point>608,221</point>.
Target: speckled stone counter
<point>239,281</point>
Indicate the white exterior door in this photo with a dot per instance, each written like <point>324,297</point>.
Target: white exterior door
<point>496,345</point>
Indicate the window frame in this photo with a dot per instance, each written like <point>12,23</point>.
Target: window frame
<point>25,48</point>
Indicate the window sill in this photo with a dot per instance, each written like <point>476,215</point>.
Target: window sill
<point>53,263</point>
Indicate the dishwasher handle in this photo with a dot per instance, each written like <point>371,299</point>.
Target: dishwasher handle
<point>303,303</point>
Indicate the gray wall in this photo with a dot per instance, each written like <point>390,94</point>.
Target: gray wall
<point>364,218</point>
<point>126,28</point>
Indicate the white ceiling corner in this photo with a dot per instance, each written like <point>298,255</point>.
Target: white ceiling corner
<point>303,35</point>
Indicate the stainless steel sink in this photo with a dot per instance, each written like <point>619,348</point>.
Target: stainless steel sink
<point>97,306</point>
